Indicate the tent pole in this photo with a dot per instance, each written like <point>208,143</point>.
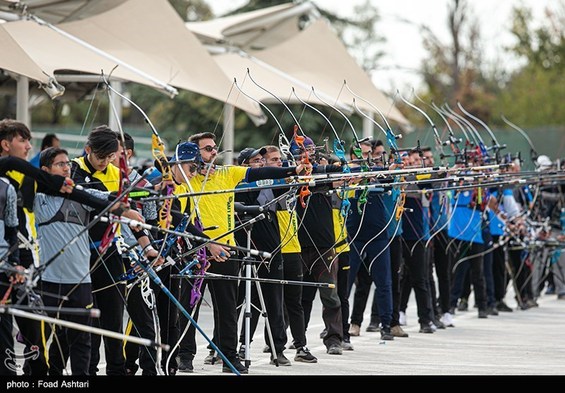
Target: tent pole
<point>115,108</point>
<point>228,142</point>
<point>22,105</point>
<point>368,126</point>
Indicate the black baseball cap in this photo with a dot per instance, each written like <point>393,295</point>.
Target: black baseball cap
<point>248,153</point>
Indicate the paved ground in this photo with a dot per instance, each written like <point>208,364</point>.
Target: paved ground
<point>520,343</point>
<point>528,342</point>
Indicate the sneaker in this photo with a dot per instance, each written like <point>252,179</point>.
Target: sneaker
<point>426,328</point>
<point>237,365</point>
<point>335,349</point>
<point>463,305</point>
<point>402,318</point>
<point>386,333</point>
<point>354,330</point>
<point>185,366</point>
<point>323,333</point>
<point>483,314</point>
<point>266,349</point>
<point>439,324</point>
<point>492,311</point>
<point>303,355</point>
<point>212,358</point>
<point>447,319</point>
<point>532,303</point>
<point>346,344</point>
<point>281,360</point>
<point>373,327</point>
<point>501,306</point>
<point>398,332</point>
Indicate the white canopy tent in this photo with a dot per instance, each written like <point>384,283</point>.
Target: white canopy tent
<point>270,43</point>
<point>136,32</point>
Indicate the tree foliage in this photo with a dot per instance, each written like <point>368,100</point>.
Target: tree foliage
<point>535,93</point>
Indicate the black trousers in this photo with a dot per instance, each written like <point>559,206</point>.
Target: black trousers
<point>69,343</point>
<point>442,260</point>
<point>318,267</point>
<point>343,290</point>
<point>499,271</point>
<point>274,304</point>
<point>224,301</point>
<point>476,266</point>
<point>292,271</point>
<point>168,324</point>
<point>143,324</point>
<point>111,302</point>
<point>417,268</point>
<point>396,267</point>
<point>363,284</point>
<point>187,346</point>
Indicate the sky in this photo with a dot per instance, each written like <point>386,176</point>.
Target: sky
<point>403,50</point>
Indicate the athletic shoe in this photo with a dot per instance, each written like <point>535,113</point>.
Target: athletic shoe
<point>398,332</point>
<point>447,319</point>
<point>346,344</point>
<point>185,366</point>
<point>386,333</point>
<point>303,355</point>
<point>335,349</point>
<point>402,318</point>
<point>354,330</point>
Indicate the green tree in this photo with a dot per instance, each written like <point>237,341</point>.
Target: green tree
<point>534,93</point>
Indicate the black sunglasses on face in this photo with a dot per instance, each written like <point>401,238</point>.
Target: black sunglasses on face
<point>209,149</point>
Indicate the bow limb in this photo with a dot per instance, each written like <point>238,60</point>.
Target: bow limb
<point>389,134</point>
<point>481,151</point>
<point>439,143</point>
<point>282,135</point>
<point>339,148</point>
<point>533,151</point>
<point>339,151</point>
<point>357,149</point>
<point>299,139</point>
<point>365,163</point>
<point>495,145</point>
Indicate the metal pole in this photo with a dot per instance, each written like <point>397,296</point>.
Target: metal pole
<point>116,107</point>
<point>22,106</point>
<point>229,134</point>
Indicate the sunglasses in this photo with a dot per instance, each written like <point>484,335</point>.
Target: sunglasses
<point>209,149</point>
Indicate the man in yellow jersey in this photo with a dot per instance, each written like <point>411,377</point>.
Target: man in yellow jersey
<point>218,210</point>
